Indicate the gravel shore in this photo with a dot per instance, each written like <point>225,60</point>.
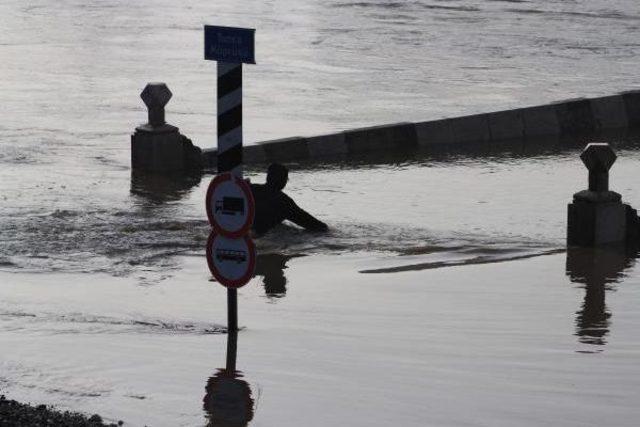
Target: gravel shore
<point>15,414</point>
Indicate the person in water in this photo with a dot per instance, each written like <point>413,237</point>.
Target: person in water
<point>273,206</point>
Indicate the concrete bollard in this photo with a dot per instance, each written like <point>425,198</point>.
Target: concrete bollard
<point>155,96</point>
<point>597,216</point>
<point>158,147</point>
<point>598,158</point>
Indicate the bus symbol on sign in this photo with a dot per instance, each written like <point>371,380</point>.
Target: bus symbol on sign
<point>231,261</point>
<point>231,255</point>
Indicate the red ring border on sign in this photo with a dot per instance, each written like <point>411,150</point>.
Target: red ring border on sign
<point>242,280</point>
<point>246,189</point>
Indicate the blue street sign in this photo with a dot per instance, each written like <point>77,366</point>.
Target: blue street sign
<point>228,44</point>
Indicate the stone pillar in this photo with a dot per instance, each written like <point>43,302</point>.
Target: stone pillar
<point>157,146</point>
<point>597,216</point>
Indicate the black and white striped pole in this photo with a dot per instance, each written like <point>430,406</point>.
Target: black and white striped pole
<point>230,251</point>
<point>230,118</point>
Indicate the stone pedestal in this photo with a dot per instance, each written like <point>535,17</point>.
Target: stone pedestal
<point>597,216</point>
<point>595,224</point>
<point>157,149</point>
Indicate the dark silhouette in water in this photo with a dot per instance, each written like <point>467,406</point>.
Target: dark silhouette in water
<point>597,269</point>
<point>228,401</point>
<point>273,206</point>
<point>159,189</point>
<point>271,267</point>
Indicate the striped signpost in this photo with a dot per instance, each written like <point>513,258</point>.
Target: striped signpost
<point>230,118</point>
<point>232,266</point>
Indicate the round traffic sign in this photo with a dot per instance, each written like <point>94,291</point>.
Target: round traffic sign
<point>230,205</point>
<point>231,261</point>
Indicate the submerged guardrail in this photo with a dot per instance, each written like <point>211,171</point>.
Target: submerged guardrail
<point>574,117</point>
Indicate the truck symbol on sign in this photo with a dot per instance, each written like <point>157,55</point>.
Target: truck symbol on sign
<point>230,205</point>
<point>231,255</point>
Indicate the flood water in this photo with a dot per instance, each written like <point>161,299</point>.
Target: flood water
<point>443,294</point>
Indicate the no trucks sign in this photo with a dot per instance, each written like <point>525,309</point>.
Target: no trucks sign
<point>230,205</point>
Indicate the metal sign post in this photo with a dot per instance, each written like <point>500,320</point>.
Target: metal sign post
<point>229,249</point>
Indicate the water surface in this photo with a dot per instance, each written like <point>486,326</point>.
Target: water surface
<point>443,283</point>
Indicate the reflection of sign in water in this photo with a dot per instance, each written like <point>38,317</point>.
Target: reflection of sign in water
<point>228,401</point>
<point>230,206</point>
<point>229,44</point>
<point>231,261</point>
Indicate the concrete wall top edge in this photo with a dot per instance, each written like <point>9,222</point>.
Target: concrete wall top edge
<point>560,117</point>
<point>569,100</point>
<point>291,139</point>
<point>379,127</point>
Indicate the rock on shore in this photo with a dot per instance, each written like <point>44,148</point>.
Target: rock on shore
<point>15,414</point>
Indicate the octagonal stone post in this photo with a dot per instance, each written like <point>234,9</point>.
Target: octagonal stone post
<point>597,215</point>
<point>157,146</point>
<point>156,96</point>
<point>598,158</point>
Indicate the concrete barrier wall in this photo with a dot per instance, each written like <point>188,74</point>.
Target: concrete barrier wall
<point>573,117</point>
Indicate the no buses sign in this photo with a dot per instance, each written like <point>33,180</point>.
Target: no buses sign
<point>231,261</point>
